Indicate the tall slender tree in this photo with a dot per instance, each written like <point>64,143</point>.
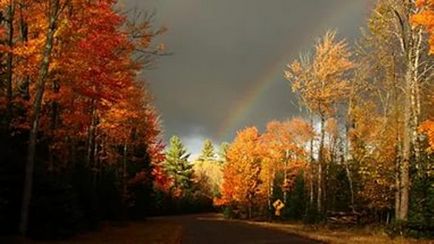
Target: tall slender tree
<point>322,84</point>
<point>54,10</point>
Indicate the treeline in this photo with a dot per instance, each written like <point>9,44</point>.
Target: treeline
<point>365,150</point>
<point>193,184</point>
<point>79,135</point>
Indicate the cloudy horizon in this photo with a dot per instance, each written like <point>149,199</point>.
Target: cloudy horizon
<point>226,71</point>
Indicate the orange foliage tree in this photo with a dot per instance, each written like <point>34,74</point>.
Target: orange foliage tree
<point>426,19</point>
<point>71,73</point>
<point>428,128</point>
<point>282,151</point>
<point>254,161</point>
<point>241,173</point>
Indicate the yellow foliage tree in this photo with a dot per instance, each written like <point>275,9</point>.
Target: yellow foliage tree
<point>321,84</point>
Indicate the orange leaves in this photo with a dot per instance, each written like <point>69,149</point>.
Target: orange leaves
<point>282,149</point>
<point>282,139</point>
<point>427,127</point>
<point>426,19</point>
<point>254,160</point>
<point>241,172</point>
<point>300,130</point>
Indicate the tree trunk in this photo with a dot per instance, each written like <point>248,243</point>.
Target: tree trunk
<point>95,166</point>
<point>91,135</point>
<point>124,171</point>
<point>320,164</point>
<point>99,159</point>
<point>55,108</point>
<point>406,153</point>
<point>345,160</point>
<point>285,178</point>
<point>350,183</point>
<point>415,93</point>
<point>270,193</point>
<point>397,190</point>
<point>37,104</point>
<point>311,169</point>
<point>411,46</point>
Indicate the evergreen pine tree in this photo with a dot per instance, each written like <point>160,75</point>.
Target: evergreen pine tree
<point>222,152</point>
<point>177,165</point>
<point>207,153</point>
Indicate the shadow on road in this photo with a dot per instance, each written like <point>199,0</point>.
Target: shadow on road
<point>212,228</point>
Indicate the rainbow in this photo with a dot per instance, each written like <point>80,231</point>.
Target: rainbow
<point>244,107</point>
<point>240,111</point>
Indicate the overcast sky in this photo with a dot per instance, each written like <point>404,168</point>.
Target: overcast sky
<point>226,71</point>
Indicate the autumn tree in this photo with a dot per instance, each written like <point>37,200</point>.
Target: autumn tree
<point>71,85</point>
<point>400,69</point>
<point>282,152</point>
<point>241,184</point>
<point>425,18</point>
<point>55,8</point>
<point>428,128</point>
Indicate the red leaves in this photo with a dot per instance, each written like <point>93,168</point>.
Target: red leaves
<point>92,95</point>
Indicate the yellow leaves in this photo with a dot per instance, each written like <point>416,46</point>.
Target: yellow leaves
<point>322,82</point>
<point>331,59</point>
<point>373,142</point>
<point>293,72</point>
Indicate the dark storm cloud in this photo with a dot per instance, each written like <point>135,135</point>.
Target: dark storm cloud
<point>220,49</point>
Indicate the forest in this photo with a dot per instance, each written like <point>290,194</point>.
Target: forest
<point>363,152</point>
<point>80,136</point>
<point>82,141</point>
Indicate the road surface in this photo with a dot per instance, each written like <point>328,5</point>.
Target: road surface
<point>211,228</point>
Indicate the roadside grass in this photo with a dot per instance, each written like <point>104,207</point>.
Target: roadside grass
<point>149,232</point>
<point>338,236</point>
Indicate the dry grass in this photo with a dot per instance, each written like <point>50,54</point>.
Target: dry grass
<point>337,236</point>
<point>149,232</point>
